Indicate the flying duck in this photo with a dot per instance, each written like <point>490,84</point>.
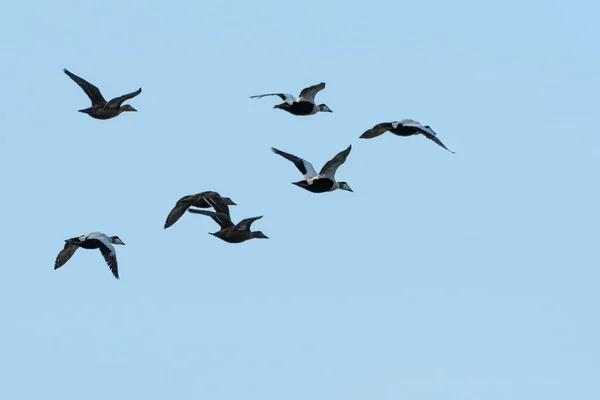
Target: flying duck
<point>94,240</point>
<point>324,181</point>
<point>303,105</point>
<point>101,109</point>
<point>230,232</point>
<point>197,200</point>
<point>405,127</point>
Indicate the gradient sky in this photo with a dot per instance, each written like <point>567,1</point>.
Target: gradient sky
<point>466,276</point>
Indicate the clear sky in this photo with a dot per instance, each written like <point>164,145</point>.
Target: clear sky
<point>466,276</point>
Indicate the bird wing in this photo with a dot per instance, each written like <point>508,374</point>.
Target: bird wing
<point>111,258</point>
<point>117,101</point>
<point>216,201</point>
<point>107,250</point>
<point>306,168</point>
<point>431,135</point>
<point>65,254</point>
<point>407,122</point>
<point>220,218</point>
<point>332,165</point>
<point>244,225</point>
<point>176,213</point>
<point>288,98</point>
<point>309,93</point>
<point>377,130</point>
<point>92,91</point>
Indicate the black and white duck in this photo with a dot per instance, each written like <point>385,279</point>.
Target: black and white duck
<point>324,181</point>
<point>405,127</point>
<point>94,240</point>
<point>303,105</point>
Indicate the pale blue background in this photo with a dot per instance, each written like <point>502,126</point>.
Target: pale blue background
<point>467,276</point>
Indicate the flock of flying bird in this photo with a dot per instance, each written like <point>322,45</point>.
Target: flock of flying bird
<point>323,181</point>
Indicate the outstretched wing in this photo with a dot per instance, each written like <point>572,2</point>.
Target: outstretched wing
<point>65,254</point>
<point>288,98</point>
<point>309,93</point>
<point>176,213</point>
<point>92,91</point>
<point>431,135</point>
<point>332,165</point>
<point>111,258</point>
<point>308,171</point>
<point>117,101</point>
<point>220,218</point>
<point>107,250</point>
<point>425,131</point>
<point>244,225</point>
<point>377,130</point>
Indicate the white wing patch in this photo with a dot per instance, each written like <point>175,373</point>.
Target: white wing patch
<point>104,240</point>
<point>429,130</point>
<point>310,171</point>
<point>408,122</point>
<point>91,235</point>
<point>289,98</point>
<point>417,125</point>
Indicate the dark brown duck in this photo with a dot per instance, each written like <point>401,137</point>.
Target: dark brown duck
<point>198,200</point>
<point>102,109</point>
<point>230,232</point>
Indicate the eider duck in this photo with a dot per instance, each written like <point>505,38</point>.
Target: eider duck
<point>197,200</point>
<point>405,127</point>
<point>303,105</point>
<point>324,181</point>
<point>101,109</point>
<point>94,240</point>
<point>230,232</point>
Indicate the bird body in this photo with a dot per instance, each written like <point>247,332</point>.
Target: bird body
<point>320,185</point>
<point>300,108</point>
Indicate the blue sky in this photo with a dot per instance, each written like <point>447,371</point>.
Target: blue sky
<point>462,276</point>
